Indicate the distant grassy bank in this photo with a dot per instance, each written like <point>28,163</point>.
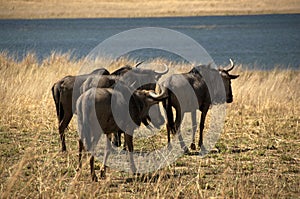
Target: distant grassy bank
<point>258,152</point>
<point>38,9</point>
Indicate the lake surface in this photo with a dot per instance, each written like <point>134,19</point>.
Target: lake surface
<point>261,41</point>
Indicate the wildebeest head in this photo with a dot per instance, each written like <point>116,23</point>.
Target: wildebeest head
<point>226,77</point>
<point>141,79</point>
<point>143,102</point>
<point>145,79</point>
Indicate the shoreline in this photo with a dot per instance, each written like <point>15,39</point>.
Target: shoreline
<point>152,17</point>
<point>41,9</point>
<point>155,16</point>
<point>67,57</point>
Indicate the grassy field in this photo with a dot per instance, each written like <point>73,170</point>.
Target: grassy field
<point>257,157</point>
<point>133,8</point>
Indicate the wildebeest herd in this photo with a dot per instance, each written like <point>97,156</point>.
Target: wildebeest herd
<point>105,92</point>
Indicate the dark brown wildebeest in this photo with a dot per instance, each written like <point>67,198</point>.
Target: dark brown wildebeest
<point>62,92</point>
<point>96,107</point>
<point>176,89</point>
<point>137,79</point>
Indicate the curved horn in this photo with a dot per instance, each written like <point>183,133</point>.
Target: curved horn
<point>160,96</point>
<point>139,63</point>
<point>231,67</point>
<point>150,127</point>
<point>164,71</point>
<point>131,85</point>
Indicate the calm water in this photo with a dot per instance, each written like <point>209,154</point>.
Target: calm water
<point>263,41</point>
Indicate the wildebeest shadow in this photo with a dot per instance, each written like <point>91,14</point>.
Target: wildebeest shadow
<point>155,177</point>
<point>147,178</point>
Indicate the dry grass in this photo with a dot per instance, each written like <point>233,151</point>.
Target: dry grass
<point>134,8</point>
<point>258,153</point>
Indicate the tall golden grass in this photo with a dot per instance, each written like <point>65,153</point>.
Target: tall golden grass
<point>258,153</point>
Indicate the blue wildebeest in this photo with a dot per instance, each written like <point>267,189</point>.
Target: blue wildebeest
<point>66,91</point>
<point>62,92</point>
<point>96,105</point>
<point>176,89</point>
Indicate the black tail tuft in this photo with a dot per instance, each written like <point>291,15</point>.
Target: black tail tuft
<point>56,97</point>
<point>170,118</point>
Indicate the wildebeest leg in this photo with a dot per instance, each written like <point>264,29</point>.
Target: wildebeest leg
<point>194,128</point>
<point>93,174</point>
<point>178,119</point>
<point>80,143</point>
<point>181,142</point>
<point>124,144</point>
<point>117,138</point>
<point>202,121</point>
<point>62,126</point>
<point>169,118</point>
<point>128,140</point>
<point>168,132</point>
<point>106,154</point>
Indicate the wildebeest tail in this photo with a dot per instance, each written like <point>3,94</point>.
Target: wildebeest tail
<point>168,106</point>
<point>56,97</point>
<point>79,114</point>
<point>84,107</point>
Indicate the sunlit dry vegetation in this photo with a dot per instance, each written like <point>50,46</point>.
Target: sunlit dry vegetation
<point>257,155</point>
<point>135,8</point>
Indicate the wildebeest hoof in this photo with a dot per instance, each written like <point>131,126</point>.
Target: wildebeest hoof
<point>203,148</point>
<point>203,151</point>
<point>94,178</point>
<point>136,175</point>
<point>193,146</point>
<point>170,146</point>
<point>78,169</point>
<point>102,173</point>
<point>186,150</point>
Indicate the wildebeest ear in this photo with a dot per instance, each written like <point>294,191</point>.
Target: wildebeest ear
<point>233,76</point>
<point>138,64</point>
<point>223,73</point>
